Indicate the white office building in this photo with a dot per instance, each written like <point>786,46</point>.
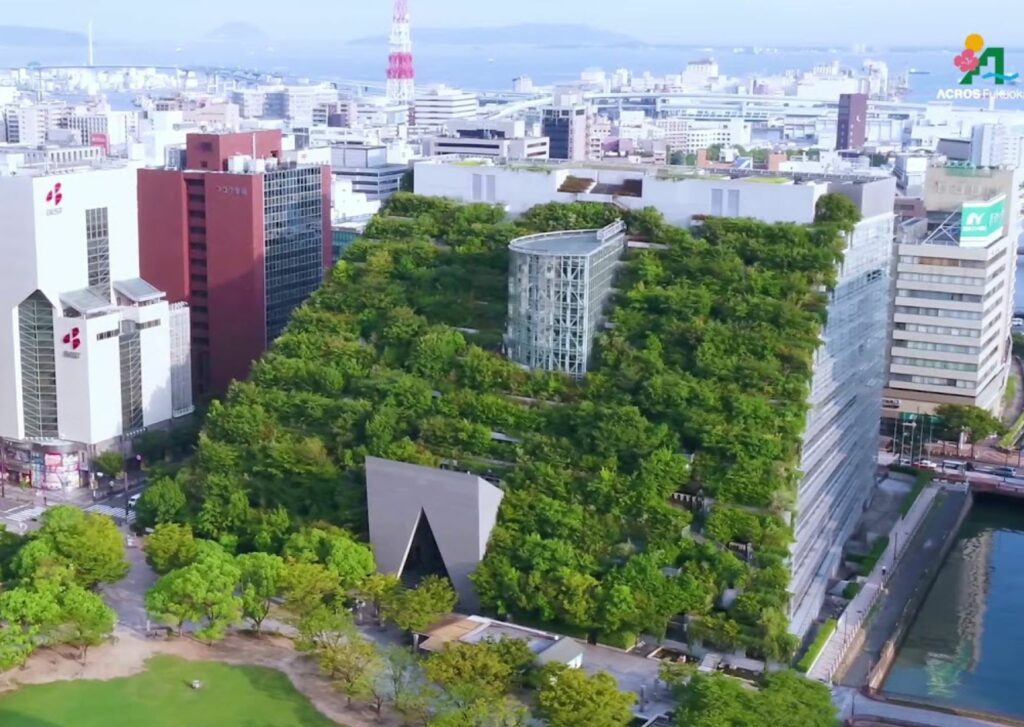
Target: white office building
<point>88,350</point>
<point>997,145</point>
<point>840,439</point>
<point>434,106</point>
<point>953,293</point>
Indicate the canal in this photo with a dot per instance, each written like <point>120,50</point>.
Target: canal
<point>965,648</point>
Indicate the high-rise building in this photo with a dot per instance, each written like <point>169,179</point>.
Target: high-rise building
<point>559,283</point>
<point>241,236</point>
<point>565,124</point>
<point>87,348</point>
<point>852,122</point>
<point>953,293</point>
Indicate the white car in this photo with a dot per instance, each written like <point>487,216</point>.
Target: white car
<point>1017,321</point>
<point>133,500</point>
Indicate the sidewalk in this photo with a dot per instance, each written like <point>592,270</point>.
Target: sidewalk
<point>900,538</point>
<point>907,576</point>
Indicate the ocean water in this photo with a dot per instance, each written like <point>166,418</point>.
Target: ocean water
<point>963,648</point>
<point>493,67</point>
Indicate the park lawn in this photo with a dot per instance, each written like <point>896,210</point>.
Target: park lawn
<point>231,696</point>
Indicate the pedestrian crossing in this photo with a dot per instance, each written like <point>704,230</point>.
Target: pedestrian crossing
<point>25,515</point>
<point>117,513</point>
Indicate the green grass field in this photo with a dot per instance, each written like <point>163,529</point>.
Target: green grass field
<point>231,696</point>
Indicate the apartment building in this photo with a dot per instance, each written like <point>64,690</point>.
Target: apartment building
<point>436,105</point>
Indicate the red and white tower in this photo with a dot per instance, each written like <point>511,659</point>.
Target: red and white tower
<point>401,86</point>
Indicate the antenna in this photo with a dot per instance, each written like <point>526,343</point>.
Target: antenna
<point>401,84</point>
<point>90,45</point>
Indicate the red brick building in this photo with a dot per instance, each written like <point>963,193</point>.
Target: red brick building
<point>240,235</point>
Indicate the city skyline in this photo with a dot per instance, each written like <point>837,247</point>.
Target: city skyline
<point>779,23</point>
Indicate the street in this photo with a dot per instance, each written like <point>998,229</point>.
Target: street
<point>21,509</point>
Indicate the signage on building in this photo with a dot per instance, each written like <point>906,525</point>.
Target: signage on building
<point>53,199</point>
<point>100,140</point>
<point>982,222</point>
<point>72,342</point>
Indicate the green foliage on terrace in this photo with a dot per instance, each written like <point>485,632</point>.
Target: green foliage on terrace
<point>710,354</point>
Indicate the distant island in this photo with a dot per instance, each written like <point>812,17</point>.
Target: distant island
<point>522,34</point>
<point>16,36</point>
<point>237,33</point>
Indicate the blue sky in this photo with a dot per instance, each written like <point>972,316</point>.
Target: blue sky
<point>765,22</point>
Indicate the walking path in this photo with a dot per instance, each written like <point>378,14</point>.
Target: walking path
<point>921,557</point>
<point>860,709</point>
<point>1013,408</point>
<point>900,538</point>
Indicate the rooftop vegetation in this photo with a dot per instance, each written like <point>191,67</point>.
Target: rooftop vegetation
<point>699,387</point>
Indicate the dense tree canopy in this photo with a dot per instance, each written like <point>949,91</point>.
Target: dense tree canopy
<point>699,387</point>
<point>785,698</point>
<point>973,421</point>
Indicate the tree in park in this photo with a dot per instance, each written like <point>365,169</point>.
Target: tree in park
<point>161,502</point>
<point>324,627</point>
<point>203,592</point>
<point>377,588</point>
<point>262,578</point>
<point>29,614</point>
<point>415,609</point>
<point>353,664</point>
<point>334,548</point>
<point>715,701</point>
<point>87,542</point>
<point>976,422</point>
<point>398,679</point>
<point>784,698</point>
<point>308,586</point>
<point>170,546</point>
<point>85,619</point>
<point>468,672</point>
<point>571,698</point>
<point>789,698</point>
<point>496,712</point>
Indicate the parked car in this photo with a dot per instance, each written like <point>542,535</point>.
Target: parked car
<point>1004,471</point>
<point>927,464</point>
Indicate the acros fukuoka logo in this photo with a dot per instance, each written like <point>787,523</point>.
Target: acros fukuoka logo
<point>976,60</point>
<point>71,339</point>
<point>54,196</point>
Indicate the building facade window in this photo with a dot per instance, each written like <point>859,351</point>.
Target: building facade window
<point>97,240</point>
<point>131,378</point>
<point>294,235</point>
<point>38,367</point>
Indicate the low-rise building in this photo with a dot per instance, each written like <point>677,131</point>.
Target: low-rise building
<point>366,166</point>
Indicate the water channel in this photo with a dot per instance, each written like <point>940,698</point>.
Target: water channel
<point>965,648</point>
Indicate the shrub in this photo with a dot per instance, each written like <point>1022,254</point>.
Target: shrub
<point>807,660</point>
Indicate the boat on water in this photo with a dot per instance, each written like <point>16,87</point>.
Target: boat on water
<point>916,72</point>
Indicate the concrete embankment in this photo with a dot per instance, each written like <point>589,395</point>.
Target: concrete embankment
<point>905,590</point>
